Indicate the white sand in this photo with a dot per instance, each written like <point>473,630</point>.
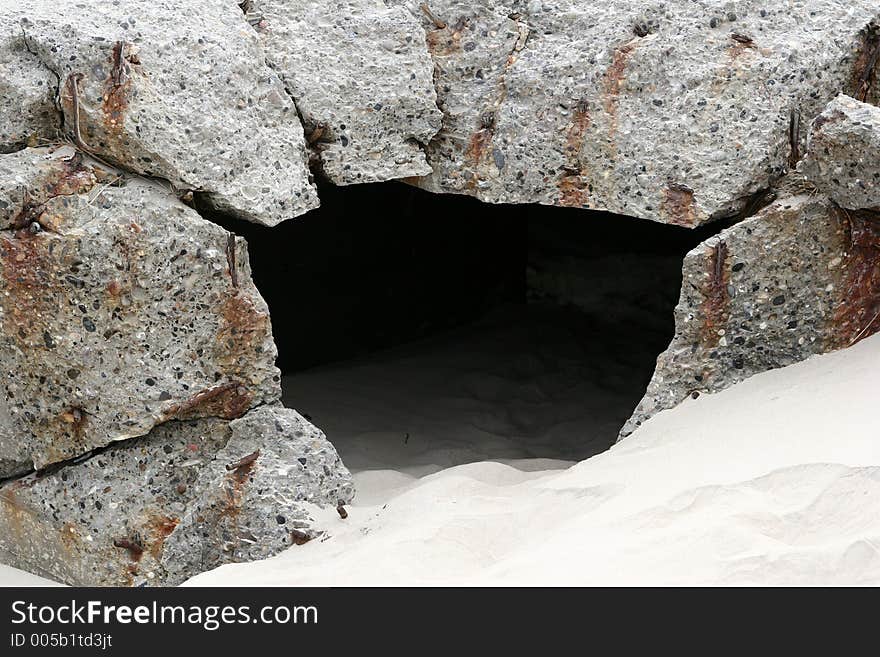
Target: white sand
<point>521,384</point>
<point>775,481</point>
<point>14,577</point>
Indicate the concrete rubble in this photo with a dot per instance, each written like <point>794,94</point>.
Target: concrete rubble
<point>257,496</point>
<point>132,340</point>
<point>676,112</point>
<point>189,496</point>
<point>121,309</point>
<point>362,80</point>
<point>141,440</point>
<point>801,277</point>
<point>28,115</point>
<point>140,86</point>
<point>843,153</point>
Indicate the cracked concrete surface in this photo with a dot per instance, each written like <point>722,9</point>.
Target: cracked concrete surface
<point>177,90</point>
<point>134,343</point>
<point>801,277</point>
<point>85,524</point>
<point>362,80</point>
<point>675,112</point>
<point>120,309</point>
<point>843,153</point>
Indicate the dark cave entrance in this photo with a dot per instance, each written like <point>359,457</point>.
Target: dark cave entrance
<point>421,331</point>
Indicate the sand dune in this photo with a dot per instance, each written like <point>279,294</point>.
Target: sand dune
<point>774,481</point>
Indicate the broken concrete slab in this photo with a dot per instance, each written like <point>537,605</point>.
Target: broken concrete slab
<point>843,153</point>
<point>362,80</point>
<point>174,89</point>
<point>28,115</point>
<point>472,45</point>
<point>104,521</point>
<point>799,278</point>
<point>674,112</point>
<point>255,498</point>
<point>129,514</point>
<point>120,309</point>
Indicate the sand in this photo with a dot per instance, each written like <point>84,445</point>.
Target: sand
<point>774,481</point>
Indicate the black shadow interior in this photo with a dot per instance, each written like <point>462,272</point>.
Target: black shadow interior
<point>379,266</point>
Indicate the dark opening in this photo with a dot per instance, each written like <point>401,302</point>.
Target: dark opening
<point>421,331</point>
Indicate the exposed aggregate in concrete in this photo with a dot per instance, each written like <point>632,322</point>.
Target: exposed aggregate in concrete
<point>801,277</point>
<point>125,316</point>
<point>676,111</point>
<point>843,153</point>
<point>362,80</point>
<point>276,466</point>
<point>120,309</point>
<point>28,115</point>
<point>175,89</point>
<point>135,513</point>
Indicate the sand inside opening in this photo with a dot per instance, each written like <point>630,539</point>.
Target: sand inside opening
<point>423,331</point>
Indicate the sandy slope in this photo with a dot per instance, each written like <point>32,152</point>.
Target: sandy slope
<point>775,481</point>
<point>523,383</point>
<point>15,577</point>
